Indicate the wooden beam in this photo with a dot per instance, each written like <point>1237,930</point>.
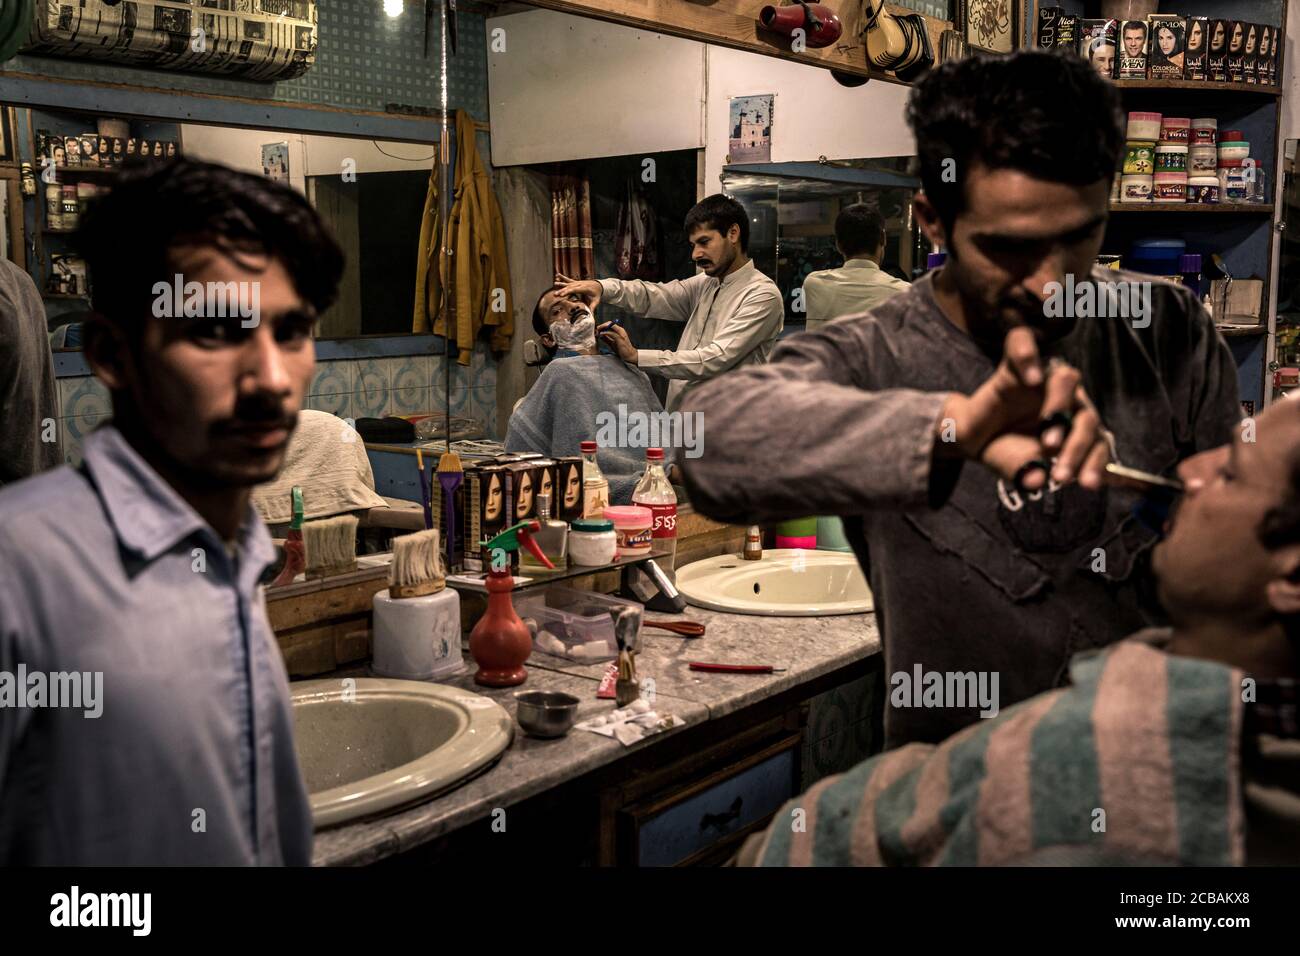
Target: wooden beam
<point>734,23</point>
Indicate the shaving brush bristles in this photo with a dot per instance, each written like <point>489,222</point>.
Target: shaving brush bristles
<point>331,545</point>
<point>417,567</point>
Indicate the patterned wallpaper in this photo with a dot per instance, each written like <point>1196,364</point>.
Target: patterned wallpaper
<point>365,60</point>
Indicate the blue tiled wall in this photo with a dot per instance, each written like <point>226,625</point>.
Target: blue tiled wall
<point>354,388</point>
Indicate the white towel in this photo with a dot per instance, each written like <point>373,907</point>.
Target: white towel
<point>327,458</point>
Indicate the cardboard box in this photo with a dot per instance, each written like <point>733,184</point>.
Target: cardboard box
<point>1097,44</point>
<point>569,488</point>
<point>1217,62</point>
<point>484,512</point>
<point>1196,60</point>
<point>1237,302</point>
<point>1237,51</point>
<point>1067,32</point>
<point>1132,63</point>
<point>1166,46</point>
<point>1250,57</point>
<point>1049,19</point>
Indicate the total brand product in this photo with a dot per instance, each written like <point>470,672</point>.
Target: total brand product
<point>1169,188</point>
<point>1176,130</point>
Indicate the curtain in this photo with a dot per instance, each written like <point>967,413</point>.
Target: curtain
<point>571,225</point>
<point>636,246</point>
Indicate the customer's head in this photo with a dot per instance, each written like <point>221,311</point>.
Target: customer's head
<point>860,232</point>
<point>717,227</point>
<point>565,322</point>
<point>1232,552</point>
<point>1016,156</point>
<point>212,376</point>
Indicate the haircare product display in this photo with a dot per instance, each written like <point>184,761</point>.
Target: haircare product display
<point>569,500</point>
<point>1166,38</point>
<point>1139,158</point>
<point>1196,59</point>
<point>1190,161</point>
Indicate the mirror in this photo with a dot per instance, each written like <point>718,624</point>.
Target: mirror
<point>371,194</point>
<point>1287,343</point>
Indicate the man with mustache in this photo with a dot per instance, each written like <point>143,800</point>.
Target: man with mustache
<point>143,563</point>
<point>733,313</point>
<point>871,417</point>
<point>565,405</point>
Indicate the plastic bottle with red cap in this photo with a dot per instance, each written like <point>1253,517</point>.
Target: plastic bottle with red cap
<point>655,491</point>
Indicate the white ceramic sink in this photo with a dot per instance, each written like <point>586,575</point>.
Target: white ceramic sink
<point>787,582</point>
<point>374,745</point>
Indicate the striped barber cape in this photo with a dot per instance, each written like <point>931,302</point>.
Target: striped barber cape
<point>1137,762</point>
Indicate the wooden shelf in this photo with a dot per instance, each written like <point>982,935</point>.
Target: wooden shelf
<point>1220,208</point>
<point>59,232</point>
<point>75,172</point>
<point>1200,86</point>
<point>64,296</point>
<point>1241,331</point>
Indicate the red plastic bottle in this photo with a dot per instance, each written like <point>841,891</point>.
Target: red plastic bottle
<point>499,642</point>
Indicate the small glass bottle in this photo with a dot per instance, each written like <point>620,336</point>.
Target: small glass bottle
<point>595,489</point>
<point>552,537</point>
<point>655,491</point>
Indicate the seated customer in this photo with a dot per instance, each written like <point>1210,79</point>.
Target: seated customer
<point>1176,746</point>
<point>578,391</point>
<point>860,284</point>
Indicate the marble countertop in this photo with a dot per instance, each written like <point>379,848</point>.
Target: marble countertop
<point>807,647</point>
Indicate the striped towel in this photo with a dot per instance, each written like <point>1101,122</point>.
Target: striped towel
<point>1139,761</point>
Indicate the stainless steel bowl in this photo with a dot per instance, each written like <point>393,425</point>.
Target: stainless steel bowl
<point>544,713</point>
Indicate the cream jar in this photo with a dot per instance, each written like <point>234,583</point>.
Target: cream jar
<point>1135,189</point>
<point>593,541</point>
<point>632,527</point>
<point>1202,161</point>
<point>1169,187</point>
<point>1143,126</point>
<point>1139,159</point>
<point>1233,150</point>
<point>1171,158</point>
<point>1203,189</point>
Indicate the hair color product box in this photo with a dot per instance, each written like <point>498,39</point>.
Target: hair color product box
<point>1097,44</point>
<point>1250,56</point>
<point>568,488</point>
<point>1132,50</point>
<point>1196,62</point>
<point>1274,49</point>
<point>523,480</point>
<point>132,148</point>
<point>1216,66</point>
<point>484,514</point>
<point>1166,46</point>
<point>1049,19</point>
<point>1237,51</point>
<point>1067,31</point>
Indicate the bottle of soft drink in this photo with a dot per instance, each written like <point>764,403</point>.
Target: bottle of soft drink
<point>655,491</point>
<point>595,487</point>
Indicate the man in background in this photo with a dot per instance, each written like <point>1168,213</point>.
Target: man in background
<point>860,284</point>
<point>132,581</point>
<point>733,313</point>
<point>29,404</point>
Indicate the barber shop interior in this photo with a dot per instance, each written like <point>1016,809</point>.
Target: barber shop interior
<point>683,434</point>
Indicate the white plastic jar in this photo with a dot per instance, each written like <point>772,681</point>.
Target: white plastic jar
<point>592,542</point>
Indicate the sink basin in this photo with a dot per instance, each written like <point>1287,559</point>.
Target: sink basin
<point>788,582</point>
<point>383,744</point>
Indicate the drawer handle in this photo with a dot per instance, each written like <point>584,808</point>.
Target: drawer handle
<point>720,820</point>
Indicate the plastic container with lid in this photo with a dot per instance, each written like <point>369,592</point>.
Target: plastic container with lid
<point>1135,189</point>
<point>1171,158</point>
<point>1157,257</point>
<point>1203,189</point>
<point>1202,161</point>
<point>1233,150</point>
<point>1205,131</point>
<point>1169,187</point>
<point>574,624</point>
<point>1139,159</point>
<point>632,527</point>
<point>1234,184</point>
<point>1176,129</point>
<point>592,541</point>
<point>1143,127</point>
<point>1232,136</point>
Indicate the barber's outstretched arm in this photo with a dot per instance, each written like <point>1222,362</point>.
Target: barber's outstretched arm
<point>811,433</point>
<point>673,301</point>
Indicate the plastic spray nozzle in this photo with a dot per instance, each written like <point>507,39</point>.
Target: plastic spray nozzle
<point>296,524</point>
<point>518,534</point>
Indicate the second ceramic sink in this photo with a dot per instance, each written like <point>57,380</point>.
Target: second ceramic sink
<point>786,582</point>
<point>374,745</point>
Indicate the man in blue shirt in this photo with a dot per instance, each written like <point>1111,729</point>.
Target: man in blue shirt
<point>144,707</point>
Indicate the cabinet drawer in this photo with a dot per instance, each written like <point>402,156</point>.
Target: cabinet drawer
<point>681,824</point>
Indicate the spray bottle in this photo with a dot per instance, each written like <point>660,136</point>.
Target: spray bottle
<point>500,642</point>
<point>295,555</point>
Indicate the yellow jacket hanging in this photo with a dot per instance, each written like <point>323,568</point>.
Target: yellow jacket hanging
<point>476,250</point>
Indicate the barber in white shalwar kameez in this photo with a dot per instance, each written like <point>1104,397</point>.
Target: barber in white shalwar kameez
<point>733,313</point>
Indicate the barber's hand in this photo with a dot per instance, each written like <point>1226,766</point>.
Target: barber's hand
<point>998,424</point>
<point>589,289</point>
<point>616,337</point>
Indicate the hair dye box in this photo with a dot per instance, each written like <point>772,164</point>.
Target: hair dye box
<point>1274,48</point>
<point>1216,63</point>
<point>1097,44</point>
<point>1196,62</point>
<point>484,512</point>
<point>523,480</point>
<point>1166,46</point>
<point>1049,19</point>
<point>1067,31</point>
<point>569,488</point>
<point>1250,56</point>
<point>1237,51</point>
<point>1132,63</point>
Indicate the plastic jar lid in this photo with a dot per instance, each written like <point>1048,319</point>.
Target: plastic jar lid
<point>1144,117</point>
<point>599,525</point>
<point>1203,181</point>
<point>587,447</point>
<point>1171,177</point>
<point>629,516</point>
<point>1233,134</point>
<point>1171,148</point>
<point>1232,164</point>
<point>1176,121</point>
<point>1207,122</point>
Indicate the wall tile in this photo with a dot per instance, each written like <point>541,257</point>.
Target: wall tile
<point>410,372</point>
<point>331,378</point>
<point>340,404</point>
<point>81,396</point>
<point>371,374</point>
<point>484,404</point>
<point>409,401</point>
